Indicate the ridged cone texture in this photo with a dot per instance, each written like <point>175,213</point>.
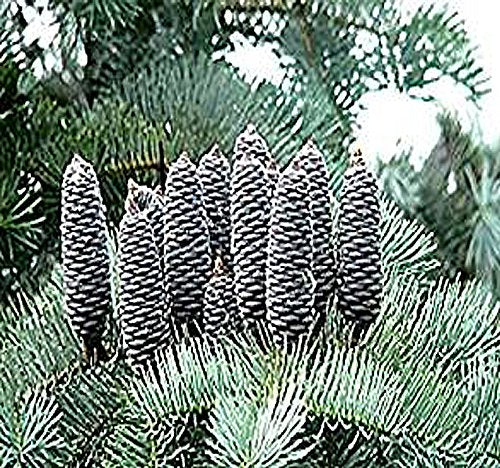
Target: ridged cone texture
<point>358,242</point>
<point>144,327</point>
<point>214,173</point>
<point>290,285</point>
<point>188,261</point>
<point>85,255</point>
<point>250,205</point>
<point>220,312</point>
<point>251,143</point>
<point>314,165</point>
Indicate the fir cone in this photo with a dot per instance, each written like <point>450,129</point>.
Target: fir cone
<point>214,174</point>
<point>249,232</point>
<point>144,328</point>
<point>360,266</point>
<point>251,143</point>
<point>85,255</point>
<point>290,285</point>
<point>312,162</point>
<point>187,243</point>
<point>150,202</point>
<point>220,313</point>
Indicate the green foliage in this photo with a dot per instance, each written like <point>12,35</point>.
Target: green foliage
<point>422,390</point>
<point>464,218</point>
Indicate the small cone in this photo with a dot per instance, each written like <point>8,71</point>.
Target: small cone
<point>250,206</point>
<point>144,327</point>
<point>214,174</point>
<point>290,286</point>
<point>313,163</point>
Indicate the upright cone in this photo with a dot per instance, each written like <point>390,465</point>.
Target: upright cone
<point>144,327</point>
<point>214,174</point>
<point>358,243</point>
<point>290,284</point>
<point>85,255</point>
<point>313,163</point>
<point>187,247</point>
<point>249,231</point>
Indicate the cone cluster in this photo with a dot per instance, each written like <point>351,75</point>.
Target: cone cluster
<point>225,247</point>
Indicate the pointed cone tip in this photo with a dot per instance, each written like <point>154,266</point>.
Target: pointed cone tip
<point>78,161</point>
<point>250,128</point>
<point>184,158</point>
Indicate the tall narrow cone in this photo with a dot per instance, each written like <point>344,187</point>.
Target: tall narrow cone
<point>85,255</point>
<point>360,265</point>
